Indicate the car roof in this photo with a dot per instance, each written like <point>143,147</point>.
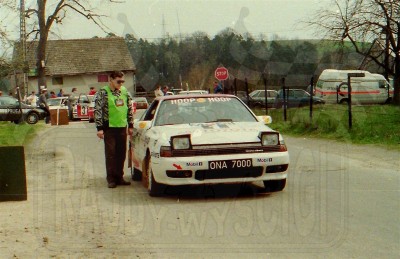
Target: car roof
<point>139,98</point>
<point>186,96</point>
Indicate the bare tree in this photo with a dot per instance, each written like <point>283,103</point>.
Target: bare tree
<point>57,12</point>
<point>360,21</point>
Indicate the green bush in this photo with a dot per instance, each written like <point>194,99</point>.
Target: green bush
<point>374,124</point>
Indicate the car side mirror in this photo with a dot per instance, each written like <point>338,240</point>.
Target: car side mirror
<point>265,119</point>
<point>142,125</point>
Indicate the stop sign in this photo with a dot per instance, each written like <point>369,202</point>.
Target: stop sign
<point>221,73</point>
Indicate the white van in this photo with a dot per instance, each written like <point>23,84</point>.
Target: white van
<point>371,89</point>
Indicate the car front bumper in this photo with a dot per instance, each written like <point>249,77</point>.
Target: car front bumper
<point>196,170</point>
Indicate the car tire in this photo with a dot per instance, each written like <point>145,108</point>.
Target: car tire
<point>155,189</point>
<point>136,174</point>
<point>274,185</point>
<point>32,118</point>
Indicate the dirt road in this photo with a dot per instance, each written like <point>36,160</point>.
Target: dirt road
<point>341,201</point>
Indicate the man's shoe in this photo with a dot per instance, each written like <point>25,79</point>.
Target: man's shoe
<point>112,185</point>
<point>123,182</point>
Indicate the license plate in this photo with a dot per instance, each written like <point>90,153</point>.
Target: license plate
<point>230,164</point>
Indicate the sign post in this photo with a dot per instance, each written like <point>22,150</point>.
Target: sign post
<point>349,76</point>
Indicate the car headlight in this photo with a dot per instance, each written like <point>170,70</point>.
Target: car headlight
<point>269,138</point>
<point>181,142</point>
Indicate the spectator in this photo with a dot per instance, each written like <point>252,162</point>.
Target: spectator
<point>92,91</point>
<point>113,118</point>
<point>1,93</point>
<point>73,97</point>
<point>53,94</point>
<point>158,91</point>
<point>60,93</point>
<point>217,87</point>
<point>165,90</point>
<point>43,104</point>
<point>31,99</point>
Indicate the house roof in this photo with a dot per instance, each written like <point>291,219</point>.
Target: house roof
<point>82,56</point>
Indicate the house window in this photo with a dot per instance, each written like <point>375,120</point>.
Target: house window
<point>102,78</point>
<point>58,80</point>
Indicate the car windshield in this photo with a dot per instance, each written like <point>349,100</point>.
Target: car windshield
<point>53,102</point>
<point>202,110</point>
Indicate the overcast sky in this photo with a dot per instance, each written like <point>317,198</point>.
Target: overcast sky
<point>151,19</point>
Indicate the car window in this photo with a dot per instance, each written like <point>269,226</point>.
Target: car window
<point>151,111</point>
<point>9,101</point>
<point>272,93</point>
<point>202,110</point>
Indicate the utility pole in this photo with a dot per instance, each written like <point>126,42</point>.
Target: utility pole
<point>22,38</point>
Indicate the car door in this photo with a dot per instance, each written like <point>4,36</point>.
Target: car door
<point>82,107</point>
<point>13,112</point>
<point>271,97</point>
<point>302,98</point>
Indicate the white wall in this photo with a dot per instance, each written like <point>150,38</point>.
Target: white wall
<point>82,82</point>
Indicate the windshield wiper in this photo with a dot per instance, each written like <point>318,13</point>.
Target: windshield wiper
<point>221,120</point>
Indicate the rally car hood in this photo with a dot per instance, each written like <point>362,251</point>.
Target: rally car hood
<point>212,133</point>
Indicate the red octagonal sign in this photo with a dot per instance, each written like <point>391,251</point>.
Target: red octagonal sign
<point>221,73</point>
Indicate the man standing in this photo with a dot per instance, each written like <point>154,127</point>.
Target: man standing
<point>113,114</point>
<point>158,91</point>
<point>42,103</point>
<point>32,99</point>
<point>92,90</point>
<point>165,90</point>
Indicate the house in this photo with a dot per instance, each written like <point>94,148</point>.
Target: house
<point>81,63</point>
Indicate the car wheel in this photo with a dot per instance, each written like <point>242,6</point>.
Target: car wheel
<point>32,118</point>
<point>136,174</point>
<point>274,185</point>
<point>155,189</point>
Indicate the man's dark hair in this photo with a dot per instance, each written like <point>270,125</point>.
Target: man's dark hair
<point>116,74</point>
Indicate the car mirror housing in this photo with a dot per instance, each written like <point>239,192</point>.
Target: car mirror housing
<point>266,119</point>
<point>142,125</point>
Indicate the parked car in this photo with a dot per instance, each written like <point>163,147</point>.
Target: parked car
<point>257,98</point>
<point>79,106</point>
<point>296,98</point>
<point>58,103</point>
<point>193,92</point>
<point>13,110</point>
<point>197,139</point>
<point>141,102</point>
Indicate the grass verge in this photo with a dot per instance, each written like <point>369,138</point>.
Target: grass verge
<point>375,124</point>
<point>18,134</point>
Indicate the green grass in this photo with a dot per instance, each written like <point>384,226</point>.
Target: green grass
<point>18,134</point>
<point>375,124</point>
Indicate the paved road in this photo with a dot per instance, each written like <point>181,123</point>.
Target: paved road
<point>341,201</point>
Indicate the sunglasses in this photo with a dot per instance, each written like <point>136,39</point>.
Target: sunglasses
<point>120,81</point>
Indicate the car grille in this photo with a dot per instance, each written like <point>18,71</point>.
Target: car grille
<point>228,173</point>
<point>225,149</point>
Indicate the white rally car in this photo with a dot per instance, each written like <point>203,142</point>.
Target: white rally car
<point>205,139</point>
